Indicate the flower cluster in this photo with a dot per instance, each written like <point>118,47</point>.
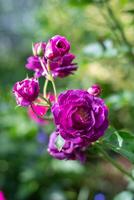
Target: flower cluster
<point>80,116</point>
<point>56,52</point>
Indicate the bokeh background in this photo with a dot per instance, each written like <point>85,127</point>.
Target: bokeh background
<point>101,33</point>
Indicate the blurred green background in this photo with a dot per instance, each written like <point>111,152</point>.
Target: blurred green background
<point>101,33</point>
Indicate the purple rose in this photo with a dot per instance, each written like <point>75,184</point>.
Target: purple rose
<point>69,151</point>
<point>33,63</point>
<point>63,67</point>
<point>57,47</point>
<point>78,114</point>
<point>95,90</point>
<point>39,48</point>
<point>26,91</point>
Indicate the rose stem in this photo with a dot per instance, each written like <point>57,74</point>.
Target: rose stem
<point>52,79</point>
<point>113,162</point>
<point>45,88</point>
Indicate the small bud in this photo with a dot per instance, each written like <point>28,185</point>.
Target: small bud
<point>95,90</point>
<point>39,48</point>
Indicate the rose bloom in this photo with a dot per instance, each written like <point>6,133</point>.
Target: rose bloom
<point>60,68</point>
<point>63,67</point>
<point>80,115</point>
<point>33,63</point>
<point>69,151</point>
<point>26,91</point>
<point>57,47</point>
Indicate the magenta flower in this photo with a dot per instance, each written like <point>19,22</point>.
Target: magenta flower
<point>60,68</point>
<point>65,67</point>
<point>26,91</point>
<point>79,115</point>
<point>57,47</point>
<point>56,52</point>
<point>69,151</point>
<point>2,197</point>
<point>33,63</point>
<point>36,112</point>
<point>94,90</point>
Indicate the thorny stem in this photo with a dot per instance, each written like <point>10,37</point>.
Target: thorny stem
<point>113,162</point>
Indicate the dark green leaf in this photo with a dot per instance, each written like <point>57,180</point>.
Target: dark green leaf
<point>121,142</point>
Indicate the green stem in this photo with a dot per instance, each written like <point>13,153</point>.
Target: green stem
<point>110,25</point>
<point>45,88</point>
<point>44,99</point>
<point>43,66</point>
<point>54,88</point>
<point>51,79</point>
<point>119,26</point>
<point>113,162</point>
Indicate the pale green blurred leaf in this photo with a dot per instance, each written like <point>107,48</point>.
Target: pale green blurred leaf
<point>125,195</point>
<point>59,142</point>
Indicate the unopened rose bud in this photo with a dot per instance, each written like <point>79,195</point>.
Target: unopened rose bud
<point>95,90</point>
<point>39,48</point>
<point>26,91</point>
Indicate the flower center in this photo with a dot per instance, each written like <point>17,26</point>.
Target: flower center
<point>61,45</point>
<point>83,114</point>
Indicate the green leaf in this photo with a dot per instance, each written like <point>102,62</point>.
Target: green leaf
<point>121,142</point>
<point>59,142</point>
<point>119,138</point>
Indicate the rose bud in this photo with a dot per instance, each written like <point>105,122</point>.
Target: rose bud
<point>26,91</point>
<point>57,47</point>
<point>95,90</point>
<point>39,48</point>
<point>78,114</point>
